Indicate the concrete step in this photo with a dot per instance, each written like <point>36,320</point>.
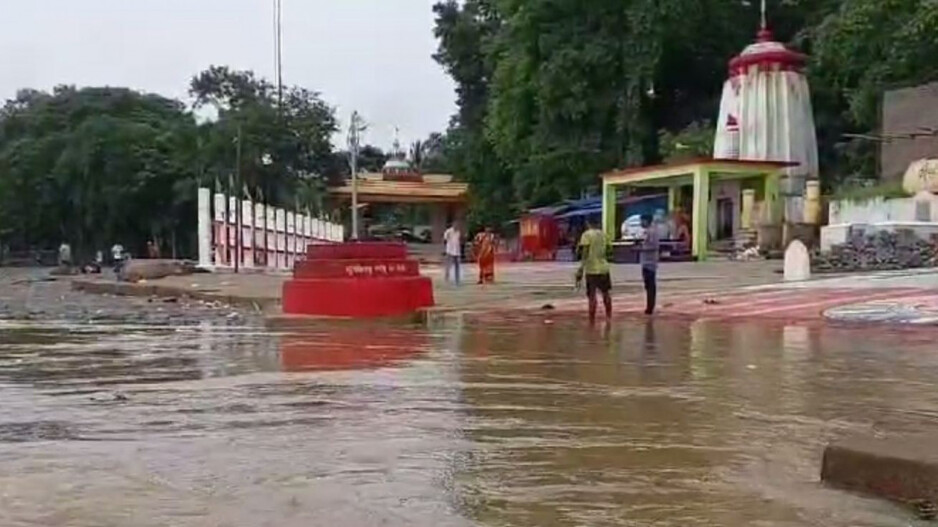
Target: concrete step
<point>902,469</point>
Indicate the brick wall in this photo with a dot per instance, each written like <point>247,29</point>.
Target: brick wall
<point>905,111</point>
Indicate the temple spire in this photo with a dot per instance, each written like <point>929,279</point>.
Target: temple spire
<point>764,34</point>
<point>396,150</point>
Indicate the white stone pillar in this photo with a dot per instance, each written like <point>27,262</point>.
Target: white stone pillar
<point>291,238</point>
<point>749,202</point>
<point>271,233</point>
<point>260,223</point>
<point>281,229</point>
<point>221,231</point>
<point>812,202</point>
<point>247,234</point>
<point>205,228</point>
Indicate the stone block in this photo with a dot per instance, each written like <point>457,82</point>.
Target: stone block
<point>903,469</point>
<point>797,262</point>
<point>136,270</point>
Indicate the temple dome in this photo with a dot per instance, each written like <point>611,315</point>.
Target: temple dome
<point>767,53</point>
<point>396,164</point>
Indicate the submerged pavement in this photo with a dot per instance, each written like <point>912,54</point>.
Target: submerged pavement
<point>521,420</point>
<point>137,411</point>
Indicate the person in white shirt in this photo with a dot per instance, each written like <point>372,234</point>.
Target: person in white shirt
<point>452,242</point>
<point>118,257</point>
<point>65,255</point>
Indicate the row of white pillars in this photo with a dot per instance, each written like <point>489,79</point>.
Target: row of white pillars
<point>271,237</point>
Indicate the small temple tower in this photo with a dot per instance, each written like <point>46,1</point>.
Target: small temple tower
<point>765,112</point>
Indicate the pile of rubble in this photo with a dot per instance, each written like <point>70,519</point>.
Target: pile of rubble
<point>880,251</point>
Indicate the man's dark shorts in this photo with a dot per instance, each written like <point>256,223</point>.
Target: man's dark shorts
<point>598,282</point>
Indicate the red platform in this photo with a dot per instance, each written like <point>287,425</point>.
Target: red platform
<point>358,280</point>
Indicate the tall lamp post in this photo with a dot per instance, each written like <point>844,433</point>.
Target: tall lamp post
<point>356,127</point>
<point>239,253</point>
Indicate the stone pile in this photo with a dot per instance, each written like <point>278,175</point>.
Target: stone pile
<point>880,251</point>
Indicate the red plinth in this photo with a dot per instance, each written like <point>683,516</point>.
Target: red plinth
<point>358,280</point>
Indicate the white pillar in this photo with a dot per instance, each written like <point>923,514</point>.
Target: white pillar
<point>281,216</point>
<point>270,214</point>
<point>221,231</point>
<point>291,237</point>
<point>260,223</point>
<point>247,233</point>
<point>205,228</point>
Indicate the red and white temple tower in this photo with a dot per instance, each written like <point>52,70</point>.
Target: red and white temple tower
<point>765,112</point>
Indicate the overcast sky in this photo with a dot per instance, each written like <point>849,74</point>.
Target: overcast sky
<point>369,55</point>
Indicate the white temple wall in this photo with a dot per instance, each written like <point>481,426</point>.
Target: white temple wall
<point>271,238</point>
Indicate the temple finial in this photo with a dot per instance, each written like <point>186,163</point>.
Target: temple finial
<point>764,34</point>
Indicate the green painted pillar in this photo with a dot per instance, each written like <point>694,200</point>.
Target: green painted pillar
<point>673,191</point>
<point>770,213</point>
<point>701,213</point>
<point>609,210</point>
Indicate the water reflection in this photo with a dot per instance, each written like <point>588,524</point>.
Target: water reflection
<point>350,347</point>
<point>540,421</point>
<point>701,423</point>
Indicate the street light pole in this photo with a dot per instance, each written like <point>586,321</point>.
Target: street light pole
<point>278,51</point>
<point>354,142</point>
<point>238,205</point>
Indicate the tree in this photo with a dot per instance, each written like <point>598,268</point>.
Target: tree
<point>465,32</point>
<point>95,166</point>
<point>860,48</point>
<point>282,142</point>
<point>551,93</point>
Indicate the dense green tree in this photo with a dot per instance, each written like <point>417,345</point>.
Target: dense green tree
<point>859,49</point>
<point>553,92</point>
<point>466,31</point>
<point>95,166</point>
<point>283,142</point>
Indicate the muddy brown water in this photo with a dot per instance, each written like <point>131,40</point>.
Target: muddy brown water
<point>496,422</point>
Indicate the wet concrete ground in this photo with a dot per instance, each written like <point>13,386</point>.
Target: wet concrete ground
<point>125,412</point>
<point>517,284</point>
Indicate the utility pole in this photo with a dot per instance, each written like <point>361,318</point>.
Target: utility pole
<point>238,204</point>
<point>278,49</point>
<point>356,127</point>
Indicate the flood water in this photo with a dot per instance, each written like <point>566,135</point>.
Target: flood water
<point>496,422</point>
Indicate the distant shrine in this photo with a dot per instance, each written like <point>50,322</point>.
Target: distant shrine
<point>401,183</point>
<point>760,188</point>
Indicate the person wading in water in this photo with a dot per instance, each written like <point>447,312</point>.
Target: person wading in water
<point>484,246</point>
<point>648,258</point>
<point>593,248</point>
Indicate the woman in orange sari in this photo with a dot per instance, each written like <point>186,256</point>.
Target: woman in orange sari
<point>485,243</point>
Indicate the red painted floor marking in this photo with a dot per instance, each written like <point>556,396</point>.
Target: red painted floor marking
<point>794,303</point>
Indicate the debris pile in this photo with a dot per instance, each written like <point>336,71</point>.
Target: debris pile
<point>880,251</point>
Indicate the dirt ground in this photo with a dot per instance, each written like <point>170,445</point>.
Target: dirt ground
<point>32,294</point>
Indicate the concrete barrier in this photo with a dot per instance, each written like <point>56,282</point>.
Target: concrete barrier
<point>136,270</point>
<point>902,469</point>
<point>109,287</point>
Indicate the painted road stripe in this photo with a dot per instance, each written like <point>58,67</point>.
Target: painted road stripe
<point>824,303</point>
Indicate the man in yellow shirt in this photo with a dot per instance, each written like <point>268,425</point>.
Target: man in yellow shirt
<point>593,248</point>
